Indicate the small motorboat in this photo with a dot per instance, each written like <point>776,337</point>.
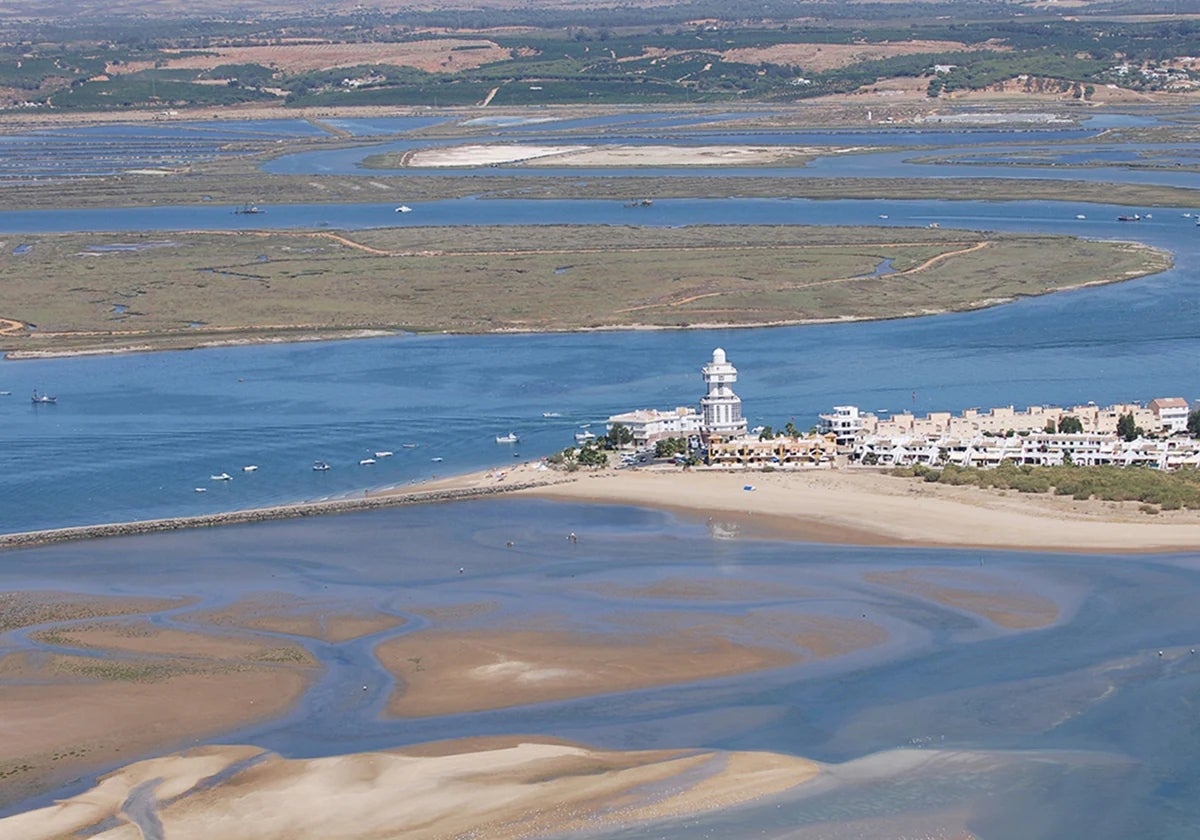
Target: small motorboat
<point>366,462</point>
<point>5,393</point>
<point>408,446</point>
<point>511,437</point>
<point>883,215</point>
<point>1080,216</point>
<point>383,453</point>
<point>1129,218</point>
<point>437,460</point>
<point>201,489</point>
<point>42,399</point>
<point>320,466</point>
<point>222,477</point>
<point>250,468</point>
<point>403,208</point>
<point>551,414</point>
<point>584,437</point>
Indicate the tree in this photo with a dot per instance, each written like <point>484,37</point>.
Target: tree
<point>1069,425</point>
<point>619,435</point>
<point>670,446</point>
<point>591,455</point>
<point>1126,428</point>
<point>767,433</point>
<point>790,430</point>
<point>1193,425</point>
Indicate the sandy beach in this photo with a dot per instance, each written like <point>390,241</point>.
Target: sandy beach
<point>505,789</point>
<point>872,508</point>
<point>480,154</point>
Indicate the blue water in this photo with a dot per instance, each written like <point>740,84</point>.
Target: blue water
<point>1075,729</point>
<point>1078,729</point>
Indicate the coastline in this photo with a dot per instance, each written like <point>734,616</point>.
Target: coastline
<point>850,506</point>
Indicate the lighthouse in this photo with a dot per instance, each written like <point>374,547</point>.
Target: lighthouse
<point>721,407</point>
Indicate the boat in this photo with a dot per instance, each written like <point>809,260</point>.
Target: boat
<point>201,489</point>
<point>408,446</point>
<point>383,453</point>
<point>1127,218</point>
<point>403,208</point>
<point>366,462</point>
<point>583,437</point>
<point>883,215</point>
<point>511,437</point>
<point>437,460</point>
<point>5,393</point>
<point>249,210</point>
<point>43,398</point>
<point>222,477</point>
<point>642,202</point>
<point>320,466</point>
<point>1080,216</point>
<point>552,414</point>
<point>250,468</point>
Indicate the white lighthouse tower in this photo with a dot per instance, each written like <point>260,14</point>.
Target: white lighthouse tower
<point>721,407</point>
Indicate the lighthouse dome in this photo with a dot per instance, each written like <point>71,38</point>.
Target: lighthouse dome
<point>718,356</point>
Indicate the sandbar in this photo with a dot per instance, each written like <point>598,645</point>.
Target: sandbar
<point>871,508</point>
<point>487,154</point>
<point>523,788</point>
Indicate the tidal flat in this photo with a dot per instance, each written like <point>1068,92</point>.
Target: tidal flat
<point>939,690</point>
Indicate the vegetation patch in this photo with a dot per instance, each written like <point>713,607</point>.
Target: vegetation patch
<point>1156,489</point>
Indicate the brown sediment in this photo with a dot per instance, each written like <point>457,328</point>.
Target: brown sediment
<point>998,600</point>
<point>29,608</point>
<point>326,619</point>
<point>454,672</point>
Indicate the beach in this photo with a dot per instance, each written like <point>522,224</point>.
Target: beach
<point>869,507</point>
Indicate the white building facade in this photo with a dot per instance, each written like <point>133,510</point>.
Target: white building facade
<point>720,407</point>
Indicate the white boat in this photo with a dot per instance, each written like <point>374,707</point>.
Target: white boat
<point>43,398</point>
<point>250,468</point>
<point>201,489</point>
<point>511,437</point>
<point>408,446</point>
<point>551,414</point>
<point>437,460</point>
<point>403,208</point>
<point>883,215</point>
<point>320,466</point>
<point>583,437</point>
<point>1080,216</point>
<point>366,462</point>
<point>222,477</point>
<point>383,453</point>
<point>5,393</point>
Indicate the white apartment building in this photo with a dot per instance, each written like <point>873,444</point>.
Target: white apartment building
<point>649,425</point>
<point>1171,413</point>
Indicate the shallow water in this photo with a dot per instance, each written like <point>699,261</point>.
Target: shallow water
<point>1025,733</point>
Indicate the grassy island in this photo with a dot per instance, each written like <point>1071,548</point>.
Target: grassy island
<point>97,292</point>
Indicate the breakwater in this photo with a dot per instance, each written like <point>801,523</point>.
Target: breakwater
<point>28,539</point>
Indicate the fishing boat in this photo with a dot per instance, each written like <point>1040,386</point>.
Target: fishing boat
<point>511,437</point>
<point>403,208</point>
<point>1129,218</point>
<point>249,210</point>
<point>320,466</point>
<point>221,477</point>
<point>43,398</point>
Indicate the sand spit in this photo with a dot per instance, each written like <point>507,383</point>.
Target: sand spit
<point>868,507</point>
<point>522,789</point>
<point>494,154</point>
